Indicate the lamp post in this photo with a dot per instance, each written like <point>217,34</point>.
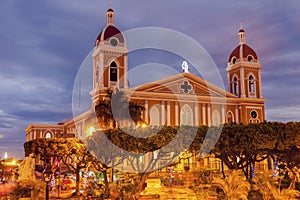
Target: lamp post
<point>47,174</point>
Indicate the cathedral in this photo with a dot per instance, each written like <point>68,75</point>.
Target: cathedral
<point>181,99</point>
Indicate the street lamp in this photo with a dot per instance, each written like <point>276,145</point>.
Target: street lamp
<point>47,174</point>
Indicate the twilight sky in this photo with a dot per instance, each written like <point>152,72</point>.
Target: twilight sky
<point>43,44</point>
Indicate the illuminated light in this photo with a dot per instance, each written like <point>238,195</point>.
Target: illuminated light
<point>57,163</point>
<point>144,125</point>
<point>13,162</point>
<point>5,155</point>
<point>91,130</point>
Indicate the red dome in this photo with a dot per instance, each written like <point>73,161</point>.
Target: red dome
<point>110,31</point>
<point>246,52</point>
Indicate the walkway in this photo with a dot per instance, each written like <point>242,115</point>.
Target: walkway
<point>168,192</point>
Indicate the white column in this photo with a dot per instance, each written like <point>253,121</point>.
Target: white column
<point>242,80</point>
<point>101,69</point>
<point>229,85</point>
<point>196,114</point>
<point>163,114</point>
<point>237,114</point>
<point>126,71</point>
<point>34,132</point>
<point>83,129</point>
<point>208,115</point>
<point>204,114</point>
<point>168,114</point>
<point>223,114</point>
<point>146,111</point>
<point>259,82</point>
<point>176,114</point>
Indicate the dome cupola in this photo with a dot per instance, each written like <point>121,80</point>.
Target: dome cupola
<point>242,52</point>
<point>110,33</point>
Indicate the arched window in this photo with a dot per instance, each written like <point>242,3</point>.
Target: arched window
<point>216,119</point>
<point>186,115</point>
<point>229,117</point>
<point>154,116</point>
<point>250,58</point>
<point>234,60</point>
<point>235,86</point>
<point>251,84</point>
<point>48,135</point>
<point>113,72</point>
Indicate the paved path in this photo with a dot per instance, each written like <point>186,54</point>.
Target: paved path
<point>167,192</point>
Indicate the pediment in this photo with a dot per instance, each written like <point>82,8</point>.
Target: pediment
<point>183,83</point>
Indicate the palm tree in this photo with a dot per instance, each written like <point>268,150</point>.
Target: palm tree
<point>266,186</point>
<point>116,107</point>
<point>233,186</point>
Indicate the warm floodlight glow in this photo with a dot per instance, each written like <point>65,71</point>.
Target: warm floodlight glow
<point>91,130</point>
<point>5,155</point>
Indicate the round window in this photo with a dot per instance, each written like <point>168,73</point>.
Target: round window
<point>114,42</point>
<point>253,114</point>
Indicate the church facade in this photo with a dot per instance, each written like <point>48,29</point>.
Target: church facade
<point>182,99</point>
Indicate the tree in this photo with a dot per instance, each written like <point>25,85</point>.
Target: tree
<point>240,146</point>
<point>116,106</point>
<point>106,156</point>
<point>286,151</point>
<point>72,152</point>
<point>163,147</point>
<point>76,157</point>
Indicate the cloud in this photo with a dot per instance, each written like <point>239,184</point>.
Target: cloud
<point>42,49</point>
<point>284,113</point>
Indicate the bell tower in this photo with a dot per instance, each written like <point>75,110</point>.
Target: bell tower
<point>244,70</point>
<point>110,59</point>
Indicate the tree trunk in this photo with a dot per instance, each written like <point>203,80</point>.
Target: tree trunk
<point>106,184</point>
<point>223,173</point>
<point>77,182</point>
<point>293,180</point>
<point>112,174</point>
<point>245,172</point>
<point>142,181</point>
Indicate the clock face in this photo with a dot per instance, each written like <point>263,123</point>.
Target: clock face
<point>113,42</point>
<point>253,114</point>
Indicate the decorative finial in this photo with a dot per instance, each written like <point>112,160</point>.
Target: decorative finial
<point>110,3</point>
<point>242,35</point>
<point>185,67</point>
